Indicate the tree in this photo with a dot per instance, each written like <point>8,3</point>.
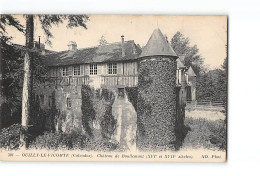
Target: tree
<point>47,21</point>
<point>102,40</point>
<point>181,45</point>
<point>10,98</point>
<point>9,20</point>
<point>9,73</point>
<point>212,85</point>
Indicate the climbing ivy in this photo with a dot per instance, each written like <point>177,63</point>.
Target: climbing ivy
<point>88,112</point>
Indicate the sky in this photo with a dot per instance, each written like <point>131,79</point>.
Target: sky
<point>209,33</point>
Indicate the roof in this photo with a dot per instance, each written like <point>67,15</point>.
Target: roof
<point>103,53</point>
<point>179,63</point>
<point>157,46</point>
<point>191,72</point>
<point>22,47</point>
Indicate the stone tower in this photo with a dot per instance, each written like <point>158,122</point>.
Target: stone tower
<point>156,108</point>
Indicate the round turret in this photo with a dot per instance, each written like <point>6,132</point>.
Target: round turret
<point>156,109</point>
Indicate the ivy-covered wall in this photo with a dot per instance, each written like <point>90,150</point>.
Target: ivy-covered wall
<point>90,112</point>
<point>156,105</point>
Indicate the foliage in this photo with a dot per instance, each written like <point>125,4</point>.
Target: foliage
<point>58,141</point>
<point>181,45</point>
<point>12,76</point>
<point>156,99</point>
<point>132,94</point>
<point>10,83</point>
<point>88,112</point>
<point>74,141</point>
<point>108,124</point>
<point>42,119</point>
<point>9,20</point>
<point>206,133</point>
<point>102,40</point>
<point>47,21</point>
<point>10,137</point>
<point>107,96</point>
<point>102,102</point>
<point>212,85</point>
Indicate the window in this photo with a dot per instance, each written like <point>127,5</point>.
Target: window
<point>112,68</point>
<point>93,69</point>
<point>68,103</point>
<point>65,71</point>
<point>76,70</point>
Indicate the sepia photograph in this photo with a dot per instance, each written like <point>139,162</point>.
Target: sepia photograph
<point>113,87</point>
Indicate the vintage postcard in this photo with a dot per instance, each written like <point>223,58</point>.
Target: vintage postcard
<point>113,88</point>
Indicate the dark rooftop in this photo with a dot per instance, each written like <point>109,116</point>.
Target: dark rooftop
<point>103,53</point>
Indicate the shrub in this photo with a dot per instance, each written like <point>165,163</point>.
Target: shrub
<point>206,133</point>
<point>58,141</point>
<point>107,96</point>
<point>132,94</point>
<point>88,112</point>
<point>10,113</point>
<point>108,124</point>
<point>10,137</point>
<point>74,141</point>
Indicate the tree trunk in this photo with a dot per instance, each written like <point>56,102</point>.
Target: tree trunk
<point>28,81</point>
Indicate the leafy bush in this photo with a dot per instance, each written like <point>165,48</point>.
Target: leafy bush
<point>10,113</point>
<point>10,137</point>
<point>108,124</point>
<point>132,94</point>
<point>74,141</point>
<point>107,96</point>
<point>57,141</point>
<point>88,112</point>
<point>206,133</point>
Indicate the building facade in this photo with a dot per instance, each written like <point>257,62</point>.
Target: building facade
<point>112,66</point>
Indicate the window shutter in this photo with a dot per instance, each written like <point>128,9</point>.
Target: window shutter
<point>99,69</point>
<point>70,70</point>
<point>81,70</point>
<point>119,67</point>
<point>87,69</point>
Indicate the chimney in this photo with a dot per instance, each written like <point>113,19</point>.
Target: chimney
<point>39,42</point>
<point>72,46</point>
<point>123,43</point>
<point>42,48</point>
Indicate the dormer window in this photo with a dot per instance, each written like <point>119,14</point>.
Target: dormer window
<point>76,70</point>
<point>112,68</point>
<point>93,69</point>
<point>65,71</point>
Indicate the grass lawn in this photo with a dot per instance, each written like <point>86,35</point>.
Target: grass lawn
<point>207,134</point>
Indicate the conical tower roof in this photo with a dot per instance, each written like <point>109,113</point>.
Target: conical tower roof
<point>157,46</point>
<point>191,72</point>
